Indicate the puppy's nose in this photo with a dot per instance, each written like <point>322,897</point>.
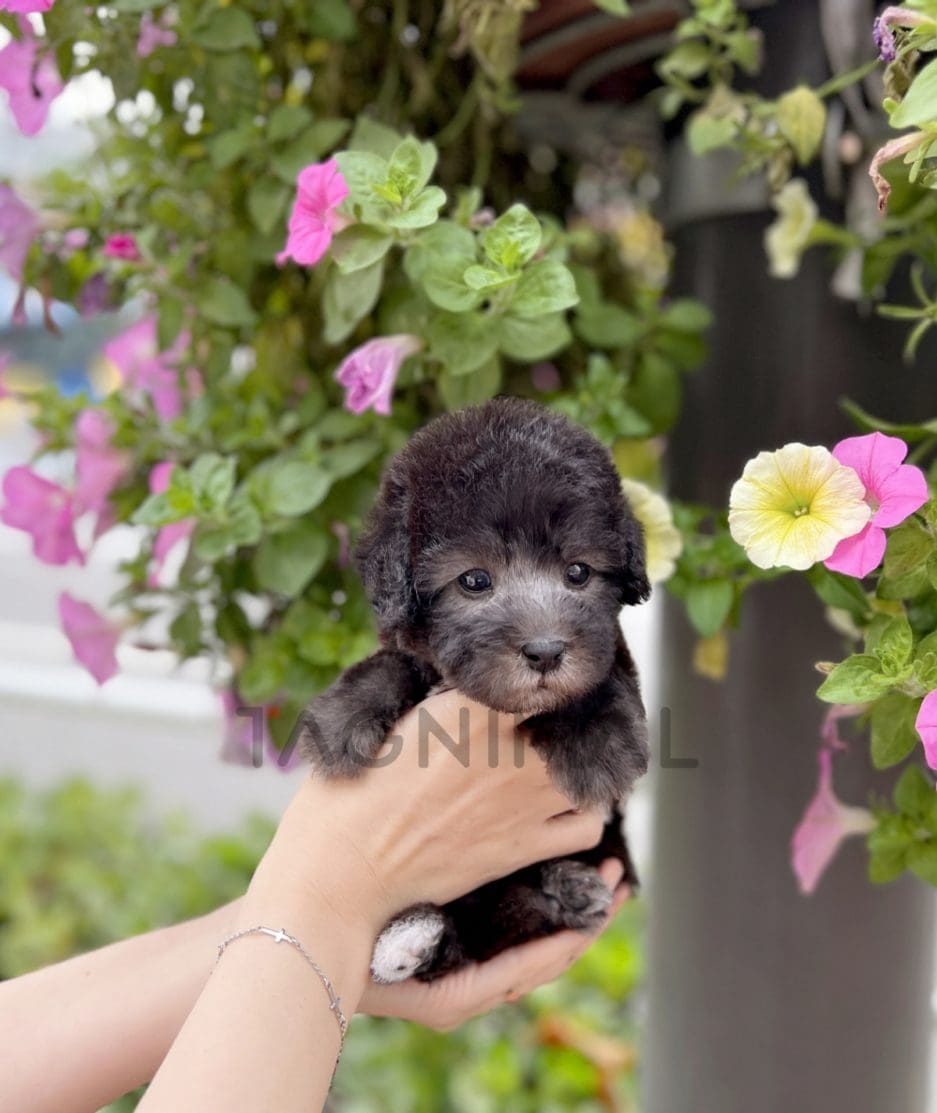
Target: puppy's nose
<point>543,654</point>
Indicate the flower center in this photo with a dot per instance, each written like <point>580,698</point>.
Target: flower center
<point>800,511</point>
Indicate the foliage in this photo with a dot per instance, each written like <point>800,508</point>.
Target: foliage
<point>197,163</point>
<point>84,867</point>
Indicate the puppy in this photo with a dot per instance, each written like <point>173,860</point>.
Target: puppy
<point>497,557</point>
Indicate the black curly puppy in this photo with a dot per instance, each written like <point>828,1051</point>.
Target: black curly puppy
<point>497,557</point>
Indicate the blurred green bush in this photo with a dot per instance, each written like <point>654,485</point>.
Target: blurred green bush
<point>83,866</point>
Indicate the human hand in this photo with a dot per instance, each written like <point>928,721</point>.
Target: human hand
<point>424,826</point>
<point>473,990</point>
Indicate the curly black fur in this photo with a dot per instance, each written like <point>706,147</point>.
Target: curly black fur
<point>521,492</point>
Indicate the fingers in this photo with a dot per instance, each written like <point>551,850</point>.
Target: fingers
<point>574,831</point>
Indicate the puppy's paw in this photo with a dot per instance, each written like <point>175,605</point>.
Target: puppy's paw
<point>407,945</point>
<point>579,895</point>
<point>340,745</point>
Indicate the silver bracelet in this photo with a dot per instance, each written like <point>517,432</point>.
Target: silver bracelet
<point>283,936</point>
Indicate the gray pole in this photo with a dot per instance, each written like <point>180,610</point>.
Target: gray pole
<point>763,1001</point>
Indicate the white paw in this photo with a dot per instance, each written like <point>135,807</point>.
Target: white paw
<point>404,945</point>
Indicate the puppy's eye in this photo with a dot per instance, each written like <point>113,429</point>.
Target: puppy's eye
<point>475,580</point>
<point>577,574</point>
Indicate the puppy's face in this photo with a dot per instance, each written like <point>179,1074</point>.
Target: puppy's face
<point>517,629</point>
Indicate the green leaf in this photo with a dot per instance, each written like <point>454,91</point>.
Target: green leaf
<point>461,341</point>
<point>212,480</point>
<point>909,546</point>
<point>359,246</point>
<point>309,147</point>
<point>223,303</point>
<point>157,510</point>
<point>688,60</point>
<point>858,679</point>
<point>893,648</point>
<point>801,116</point>
<point>836,590</point>
<point>362,171</point>
<point>225,29</point>
<point>893,733</point>
<point>922,859</point>
<point>343,460</point>
<point>917,105</point>
<point>411,166</point>
<point>377,138</point>
<point>544,287</point>
<point>263,675</point>
<point>487,279</point>
<point>286,562</point>
<point>286,121</point>
<point>534,339</point>
<point>330,19</point>
<point>225,149</point>
<point>185,630</point>
<point>603,325</point>
<point>615,7</point>
<point>708,603</point>
<point>442,240</point>
<point>348,298</point>
<point>445,286</point>
<point>239,526</point>
<point>706,133</point>
<point>458,391</point>
<point>296,487</point>
<point>419,213</point>
<point>914,792</point>
<point>266,202</point>
<point>513,239</point>
<point>687,315</point>
<point>886,865</point>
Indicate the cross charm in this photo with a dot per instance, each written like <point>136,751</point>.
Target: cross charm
<point>279,936</point>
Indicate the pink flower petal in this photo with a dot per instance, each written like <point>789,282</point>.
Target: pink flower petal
<point>874,456</point>
<point>320,188</point>
<point>247,739</point>
<point>122,245</point>
<point>860,554</point>
<point>31,79</point>
<point>151,372</point>
<point>93,638</point>
<point>18,228</point>
<point>24,7</point>
<point>369,372</point>
<point>153,35</point>
<point>900,494</point>
<point>99,467</point>
<point>823,827</point>
<point>167,537</point>
<point>926,726</point>
<point>43,510</point>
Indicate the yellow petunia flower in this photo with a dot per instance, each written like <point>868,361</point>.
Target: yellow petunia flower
<point>792,507</point>
<point>789,235</point>
<point>662,540</point>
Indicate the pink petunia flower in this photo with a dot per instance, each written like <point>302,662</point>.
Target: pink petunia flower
<point>93,638</point>
<point>825,824</point>
<point>167,537</point>
<point>893,16</point>
<point>320,189</point>
<point>24,7</point>
<point>18,227</point>
<point>31,79</point>
<point>153,34</point>
<point>45,511</point>
<point>926,726</point>
<point>149,371</point>
<point>122,246</point>
<point>368,373</point>
<point>99,467</point>
<point>247,740</point>
<point>892,489</point>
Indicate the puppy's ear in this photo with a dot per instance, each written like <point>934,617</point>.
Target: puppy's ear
<point>383,558</point>
<point>632,573</point>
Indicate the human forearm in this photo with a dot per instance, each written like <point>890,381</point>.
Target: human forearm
<point>81,1033</point>
<point>262,1036</point>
